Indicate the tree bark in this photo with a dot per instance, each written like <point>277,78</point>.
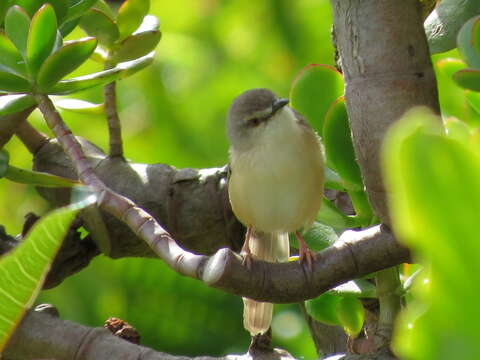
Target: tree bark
<point>387,69</point>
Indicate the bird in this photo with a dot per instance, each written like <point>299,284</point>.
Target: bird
<point>275,183</point>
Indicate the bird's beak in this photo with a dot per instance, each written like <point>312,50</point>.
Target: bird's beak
<point>278,104</point>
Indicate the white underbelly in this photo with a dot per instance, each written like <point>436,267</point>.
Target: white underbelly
<point>277,188</point>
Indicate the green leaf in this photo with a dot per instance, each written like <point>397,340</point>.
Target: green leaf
<point>78,9</point>
<point>4,158</point>
<point>457,129</point>
<point>476,35</point>
<point>98,24</point>
<point>313,91</point>
<point>363,210</point>
<point>10,104</point>
<point>11,60</point>
<point>466,42</point>
<point>443,24</point>
<point>339,151</point>
<point>41,37</point>
<point>130,16</point>
<point>135,46</point>
<point>13,83</point>
<point>4,5</point>
<point>121,71</point>
<point>473,99</point>
<point>333,181</point>
<point>68,26</point>
<point>433,183</point>
<point>468,79</point>
<point>80,106</point>
<point>359,288</point>
<point>37,178</point>
<point>330,215</point>
<point>318,237</point>
<point>23,270</point>
<point>351,314</point>
<point>31,6</point>
<point>64,61</point>
<point>17,24</point>
<point>324,308</point>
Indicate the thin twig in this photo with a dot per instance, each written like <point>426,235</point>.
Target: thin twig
<point>114,126</point>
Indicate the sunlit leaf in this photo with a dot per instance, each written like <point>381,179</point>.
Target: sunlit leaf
<point>11,60</point>
<point>324,308</point>
<point>149,23</point>
<point>78,9</point>
<point>121,71</point>
<point>332,180</point>
<point>351,315</point>
<point>13,83</point>
<point>433,184</point>
<point>10,104</point>
<point>468,79</point>
<point>24,269</point>
<point>473,99</point>
<point>37,178</point>
<point>31,6</point>
<point>130,16</point>
<point>457,129</point>
<point>330,215</point>
<point>318,237</point>
<point>135,46</point>
<point>64,61</point>
<point>80,106</point>
<point>339,151</point>
<point>314,89</point>
<point>41,37</point>
<point>17,24</point>
<point>98,24</point>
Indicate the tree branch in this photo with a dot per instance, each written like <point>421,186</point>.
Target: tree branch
<point>387,70</point>
<point>114,126</point>
<point>49,337</point>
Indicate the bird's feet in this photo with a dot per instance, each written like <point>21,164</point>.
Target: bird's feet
<point>306,255</point>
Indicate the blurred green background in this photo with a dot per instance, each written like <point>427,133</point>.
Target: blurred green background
<point>174,112</point>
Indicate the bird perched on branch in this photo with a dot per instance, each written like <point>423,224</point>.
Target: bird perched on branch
<point>275,185</point>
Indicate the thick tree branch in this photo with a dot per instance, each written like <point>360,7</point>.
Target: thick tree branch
<point>43,336</point>
<point>10,123</point>
<point>387,70</point>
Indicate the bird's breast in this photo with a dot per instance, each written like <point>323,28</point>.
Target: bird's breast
<point>277,184</point>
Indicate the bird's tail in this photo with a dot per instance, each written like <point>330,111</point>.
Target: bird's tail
<point>271,247</point>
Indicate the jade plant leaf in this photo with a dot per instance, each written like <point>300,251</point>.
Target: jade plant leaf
<point>32,6</point>
<point>11,60</point>
<point>98,24</point>
<point>314,89</point>
<point>130,16</point>
<point>136,45</point>
<point>433,183</point>
<point>10,104</point>
<point>64,61</point>
<point>120,71</point>
<point>468,79</point>
<point>466,40</point>
<point>324,308</point>
<point>17,24</point>
<point>339,151</point>
<point>36,178</point>
<point>41,37</point>
<point>24,269</point>
<point>13,83</point>
<point>80,106</point>
<point>351,315</point>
